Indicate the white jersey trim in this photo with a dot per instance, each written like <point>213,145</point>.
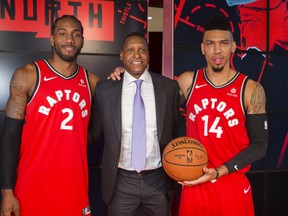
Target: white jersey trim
<point>37,85</point>
<point>220,86</point>
<point>59,74</point>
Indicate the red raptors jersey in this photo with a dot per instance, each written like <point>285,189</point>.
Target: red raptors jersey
<point>216,117</point>
<point>52,172</point>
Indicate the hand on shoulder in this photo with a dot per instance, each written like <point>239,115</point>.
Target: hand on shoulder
<point>116,75</point>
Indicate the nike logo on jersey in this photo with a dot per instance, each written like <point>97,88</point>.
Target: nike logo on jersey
<point>236,167</point>
<point>246,190</point>
<point>49,78</point>
<point>200,86</point>
<point>86,211</point>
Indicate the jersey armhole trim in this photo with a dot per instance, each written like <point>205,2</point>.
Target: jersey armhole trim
<point>88,82</point>
<point>192,85</point>
<point>243,95</point>
<point>36,87</point>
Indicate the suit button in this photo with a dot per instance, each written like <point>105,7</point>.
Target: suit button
<point>115,167</point>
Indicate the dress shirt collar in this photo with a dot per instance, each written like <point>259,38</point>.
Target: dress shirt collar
<point>128,78</point>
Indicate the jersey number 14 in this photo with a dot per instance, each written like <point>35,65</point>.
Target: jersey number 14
<point>215,128</point>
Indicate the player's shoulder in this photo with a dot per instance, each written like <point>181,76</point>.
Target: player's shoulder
<point>252,86</point>
<point>28,68</point>
<point>254,97</point>
<point>25,73</point>
<point>185,79</point>
<point>23,81</point>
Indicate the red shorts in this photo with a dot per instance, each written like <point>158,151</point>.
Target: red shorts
<point>227,196</point>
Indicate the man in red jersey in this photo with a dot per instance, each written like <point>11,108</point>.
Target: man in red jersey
<point>46,124</point>
<point>226,113</point>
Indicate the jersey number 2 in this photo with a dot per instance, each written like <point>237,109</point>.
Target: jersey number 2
<point>65,123</point>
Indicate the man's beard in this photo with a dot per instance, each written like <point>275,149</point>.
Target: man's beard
<point>218,69</point>
<point>66,57</point>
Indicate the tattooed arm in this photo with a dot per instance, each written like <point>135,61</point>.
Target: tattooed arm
<point>254,98</point>
<point>21,87</point>
<point>257,127</point>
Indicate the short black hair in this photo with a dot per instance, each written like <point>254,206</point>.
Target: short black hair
<point>64,17</point>
<point>218,22</point>
<point>138,34</point>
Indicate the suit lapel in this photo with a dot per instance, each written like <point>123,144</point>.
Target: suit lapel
<point>114,95</point>
<point>160,102</point>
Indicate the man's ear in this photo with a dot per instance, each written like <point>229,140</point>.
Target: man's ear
<point>121,56</point>
<point>234,46</point>
<point>202,49</point>
<point>52,40</point>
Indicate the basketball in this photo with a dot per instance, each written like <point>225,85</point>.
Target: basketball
<point>183,159</point>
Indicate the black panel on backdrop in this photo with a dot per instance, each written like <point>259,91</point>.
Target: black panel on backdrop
<point>2,117</point>
<point>278,141</point>
<point>101,65</point>
<point>258,181</point>
<point>252,64</point>
<point>278,82</point>
<point>187,60</point>
<point>15,41</point>
<point>277,191</point>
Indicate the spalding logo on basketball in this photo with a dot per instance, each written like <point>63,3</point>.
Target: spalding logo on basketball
<point>184,158</point>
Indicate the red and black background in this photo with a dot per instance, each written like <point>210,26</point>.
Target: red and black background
<point>260,30</point>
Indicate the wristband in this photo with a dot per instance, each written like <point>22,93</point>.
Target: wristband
<point>217,173</point>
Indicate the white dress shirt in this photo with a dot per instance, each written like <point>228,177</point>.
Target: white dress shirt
<point>153,156</point>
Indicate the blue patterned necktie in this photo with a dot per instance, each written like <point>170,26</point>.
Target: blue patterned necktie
<point>138,159</point>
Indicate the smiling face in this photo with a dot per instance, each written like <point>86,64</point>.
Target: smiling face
<point>135,55</point>
<point>67,39</point>
<point>217,47</point>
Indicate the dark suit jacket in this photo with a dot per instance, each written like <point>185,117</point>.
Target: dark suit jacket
<point>107,119</point>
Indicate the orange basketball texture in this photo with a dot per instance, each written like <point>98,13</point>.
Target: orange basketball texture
<point>184,158</point>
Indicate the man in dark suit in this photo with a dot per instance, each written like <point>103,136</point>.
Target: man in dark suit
<point>124,189</point>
